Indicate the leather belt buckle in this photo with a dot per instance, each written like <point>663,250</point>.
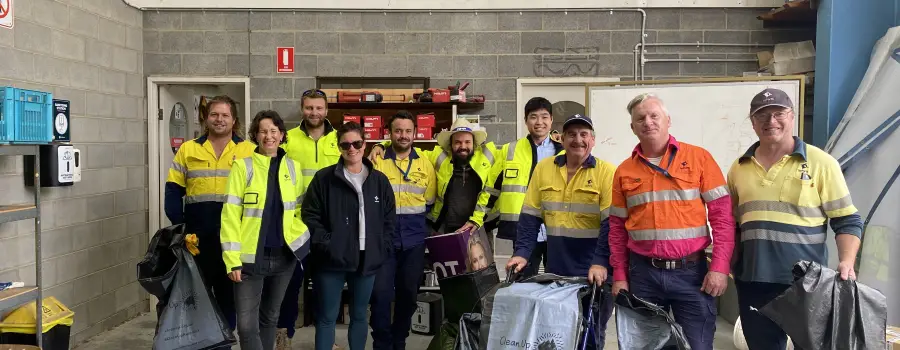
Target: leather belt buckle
<point>665,264</point>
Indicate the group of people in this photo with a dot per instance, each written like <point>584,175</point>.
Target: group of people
<point>317,207</point>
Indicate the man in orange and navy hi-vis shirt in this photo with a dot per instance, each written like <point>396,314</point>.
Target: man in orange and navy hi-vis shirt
<point>658,230</point>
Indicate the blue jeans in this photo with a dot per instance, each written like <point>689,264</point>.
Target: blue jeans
<point>678,289</point>
<point>290,309</point>
<point>759,331</point>
<point>258,298</point>
<point>401,274</point>
<point>329,287</point>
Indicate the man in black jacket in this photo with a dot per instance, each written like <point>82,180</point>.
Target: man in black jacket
<point>350,210</point>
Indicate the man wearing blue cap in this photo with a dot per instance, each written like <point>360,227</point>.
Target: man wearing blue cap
<point>571,194</point>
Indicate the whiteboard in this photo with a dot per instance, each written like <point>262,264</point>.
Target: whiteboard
<point>712,115</point>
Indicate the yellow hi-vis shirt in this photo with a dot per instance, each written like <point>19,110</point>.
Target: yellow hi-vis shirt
<point>245,201</point>
<point>312,155</point>
<point>200,176</point>
<point>482,162</point>
<point>573,212</point>
<point>415,184</point>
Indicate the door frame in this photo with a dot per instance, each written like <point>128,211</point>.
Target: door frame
<point>521,130</point>
<point>153,84</point>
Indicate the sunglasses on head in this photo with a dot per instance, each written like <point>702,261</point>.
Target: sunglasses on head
<point>313,92</point>
<point>358,144</point>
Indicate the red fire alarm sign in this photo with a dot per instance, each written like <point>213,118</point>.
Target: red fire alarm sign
<point>284,60</point>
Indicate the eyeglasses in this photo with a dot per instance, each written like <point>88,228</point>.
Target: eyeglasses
<point>313,92</point>
<point>358,144</point>
<point>764,117</point>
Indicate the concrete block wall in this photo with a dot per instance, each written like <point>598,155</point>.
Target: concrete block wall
<point>93,233</point>
<point>489,49</point>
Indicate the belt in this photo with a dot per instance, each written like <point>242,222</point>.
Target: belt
<point>671,264</point>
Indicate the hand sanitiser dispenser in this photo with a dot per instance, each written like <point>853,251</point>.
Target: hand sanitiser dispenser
<point>60,166</point>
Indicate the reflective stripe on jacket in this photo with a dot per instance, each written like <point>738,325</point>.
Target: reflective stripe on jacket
<point>312,155</point>
<point>243,210</point>
<point>200,177</point>
<point>574,211</point>
<point>414,194</point>
<point>510,176</point>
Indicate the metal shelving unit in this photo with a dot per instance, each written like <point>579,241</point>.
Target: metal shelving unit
<point>15,297</point>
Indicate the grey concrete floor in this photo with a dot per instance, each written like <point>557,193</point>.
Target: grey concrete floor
<point>138,334</point>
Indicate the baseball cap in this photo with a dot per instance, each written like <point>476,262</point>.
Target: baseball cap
<point>578,119</point>
<point>770,97</point>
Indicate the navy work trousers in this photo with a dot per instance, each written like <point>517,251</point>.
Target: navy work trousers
<point>678,289</point>
<point>760,332</point>
<point>400,276</point>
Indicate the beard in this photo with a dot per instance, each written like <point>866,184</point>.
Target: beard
<point>460,158</point>
<point>398,148</point>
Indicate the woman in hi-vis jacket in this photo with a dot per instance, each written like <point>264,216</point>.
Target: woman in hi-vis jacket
<point>262,234</point>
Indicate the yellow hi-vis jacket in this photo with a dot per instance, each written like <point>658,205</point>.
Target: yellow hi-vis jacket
<point>312,155</point>
<point>245,198</point>
<point>199,177</point>
<point>482,162</point>
<point>510,176</point>
<point>415,184</point>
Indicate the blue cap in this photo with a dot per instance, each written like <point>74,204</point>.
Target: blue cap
<point>578,119</point>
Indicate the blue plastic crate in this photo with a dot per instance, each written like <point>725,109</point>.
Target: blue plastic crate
<point>26,116</point>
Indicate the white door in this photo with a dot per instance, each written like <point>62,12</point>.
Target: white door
<point>179,104</point>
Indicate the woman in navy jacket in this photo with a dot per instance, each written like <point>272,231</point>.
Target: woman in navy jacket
<point>350,211</point>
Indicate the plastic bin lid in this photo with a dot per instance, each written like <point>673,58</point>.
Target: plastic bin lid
<point>18,347</point>
<point>24,319</point>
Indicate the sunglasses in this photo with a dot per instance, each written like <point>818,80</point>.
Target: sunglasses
<point>313,92</point>
<point>358,144</point>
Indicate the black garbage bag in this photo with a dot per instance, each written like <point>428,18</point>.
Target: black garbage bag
<point>469,331</point>
<point>821,311</point>
<point>642,325</point>
<point>156,271</point>
<point>463,292</point>
<point>445,339</point>
<point>190,318</point>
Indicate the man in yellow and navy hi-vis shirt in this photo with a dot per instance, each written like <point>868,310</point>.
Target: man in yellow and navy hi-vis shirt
<point>463,161</point>
<point>414,182</point>
<point>195,191</point>
<point>571,194</point>
<point>784,192</point>
<point>313,145</point>
<point>263,236</point>
<point>513,171</point>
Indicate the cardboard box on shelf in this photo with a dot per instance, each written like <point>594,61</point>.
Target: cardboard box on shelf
<point>372,121</point>
<point>423,133</point>
<point>352,118</point>
<point>789,58</point>
<point>372,133</point>
<point>425,120</point>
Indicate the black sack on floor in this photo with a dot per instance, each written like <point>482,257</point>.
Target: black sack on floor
<point>642,325</point>
<point>462,293</point>
<point>190,319</point>
<point>822,311</point>
<point>469,332</point>
<point>156,271</point>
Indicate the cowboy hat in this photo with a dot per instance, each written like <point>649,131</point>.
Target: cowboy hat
<point>460,125</point>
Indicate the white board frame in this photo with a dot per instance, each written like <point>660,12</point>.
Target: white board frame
<point>800,103</point>
<point>466,5</point>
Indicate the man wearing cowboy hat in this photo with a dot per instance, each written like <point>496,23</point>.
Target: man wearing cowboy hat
<point>463,161</point>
